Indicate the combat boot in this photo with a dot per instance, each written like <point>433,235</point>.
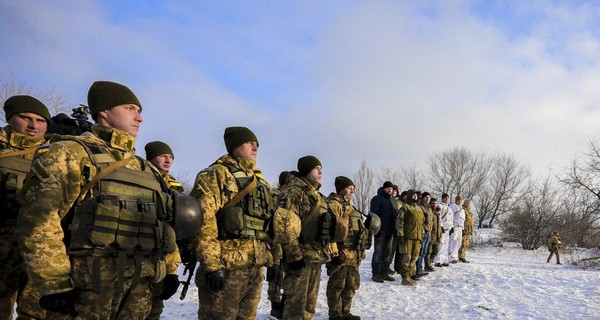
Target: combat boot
<point>407,282</point>
<point>463,260</point>
<point>439,265</point>
<point>277,309</point>
<point>350,316</point>
<point>430,268</point>
<point>387,277</point>
<point>377,278</point>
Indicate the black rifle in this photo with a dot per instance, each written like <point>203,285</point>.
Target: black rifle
<point>75,125</point>
<point>190,265</point>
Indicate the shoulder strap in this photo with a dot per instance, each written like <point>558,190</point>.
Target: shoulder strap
<point>102,174</point>
<point>240,195</point>
<point>311,214</point>
<point>18,153</point>
<point>348,212</point>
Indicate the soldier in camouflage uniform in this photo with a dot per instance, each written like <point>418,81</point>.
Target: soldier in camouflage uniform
<point>436,235</point>
<point>27,120</point>
<point>320,227</point>
<point>162,157</point>
<point>90,228</point>
<point>344,278</point>
<point>553,246</point>
<point>468,229</point>
<point>235,241</point>
<point>409,228</point>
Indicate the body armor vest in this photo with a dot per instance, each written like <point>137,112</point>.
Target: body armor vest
<point>16,169</point>
<point>251,217</point>
<point>317,226</point>
<point>359,237</point>
<point>124,212</point>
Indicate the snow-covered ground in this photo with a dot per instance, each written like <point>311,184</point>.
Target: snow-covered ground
<point>500,283</point>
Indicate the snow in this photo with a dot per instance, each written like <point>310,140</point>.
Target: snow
<point>500,282</point>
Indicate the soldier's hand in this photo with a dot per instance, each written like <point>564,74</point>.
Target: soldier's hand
<point>215,280</point>
<point>60,302</point>
<point>337,260</point>
<point>273,273</point>
<point>297,265</point>
<point>170,285</point>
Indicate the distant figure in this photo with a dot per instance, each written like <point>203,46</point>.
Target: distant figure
<point>553,246</point>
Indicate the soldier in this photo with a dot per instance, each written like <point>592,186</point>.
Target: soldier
<point>447,223</point>
<point>384,206</point>
<point>161,156</point>
<point>394,255</point>
<point>409,228</point>
<point>90,229</point>
<point>457,229</point>
<point>427,226</point>
<point>234,243</point>
<point>553,246</point>
<point>344,278</point>
<point>27,120</point>
<point>306,255</point>
<point>436,234</point>
<point>468,229</point>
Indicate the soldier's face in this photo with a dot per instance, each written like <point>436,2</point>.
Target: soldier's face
<point>126,117</point>
<point>29,124</point>
<point>347,192</point>
<point>248,150</point>
<point>163,162</point>
<point>426,199</point>
<point>316,174</point>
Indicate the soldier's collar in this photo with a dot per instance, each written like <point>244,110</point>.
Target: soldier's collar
<point>19,140</point>
<point>313,184</point>
<point>115,138</point>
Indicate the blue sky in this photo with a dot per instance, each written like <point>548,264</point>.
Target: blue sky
<point>389,82</point>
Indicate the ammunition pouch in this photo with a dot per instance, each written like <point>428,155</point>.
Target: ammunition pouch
<point>16,169</point>
<point>365,240</point>
<point>234,224</point>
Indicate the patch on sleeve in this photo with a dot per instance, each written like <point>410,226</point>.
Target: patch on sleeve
<point>40,171</point>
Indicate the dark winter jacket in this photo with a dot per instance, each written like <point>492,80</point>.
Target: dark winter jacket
<point>386,207</point>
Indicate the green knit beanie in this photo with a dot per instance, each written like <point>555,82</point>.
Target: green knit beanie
<point>25,104</point>
<point>237,136</point>
<point>306,164</point>
<point>342,183</point>
<point>157,148</point>
<point>104,95</point>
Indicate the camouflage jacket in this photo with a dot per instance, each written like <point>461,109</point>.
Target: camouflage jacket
<point>469,223</point>
<point>213,188</point>
<point>427,217</point>
<point>52,187</point>
<point>554,242</point>
<point>340,206</point>
<point>436,228</point>
<point>410,222</point>
<point>173,260</point>
<point>170,181</point>
<point>294,197</point>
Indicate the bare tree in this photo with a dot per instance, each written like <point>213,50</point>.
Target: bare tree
<point>579,223</point>
<point>501,189</point>
<point>584,172</point>
<point>363,192</point>
<point>186,179</point>
<point>388,174</point>
<point>55,102</point>
<point>412,178</point>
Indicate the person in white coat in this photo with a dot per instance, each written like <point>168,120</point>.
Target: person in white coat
<point>457,230</point>
<point>447,222</point>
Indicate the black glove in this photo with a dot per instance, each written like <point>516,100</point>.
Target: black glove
<point>170,285</point>
<point>297,265</point>
<point>452,231</point>
<point>215,280</point>
<point>60,302</point>
<point>337,260</point>
<point>273,273</point>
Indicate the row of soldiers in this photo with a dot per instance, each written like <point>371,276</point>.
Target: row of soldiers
<point>97,228</point>
<point>418,233</point>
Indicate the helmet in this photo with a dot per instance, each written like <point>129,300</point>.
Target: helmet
<point>286,226</point>
<point>187,215</point>
<point>374,222</point>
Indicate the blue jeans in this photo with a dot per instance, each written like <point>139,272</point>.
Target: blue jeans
<point>380,262</point>
<point>423,252</point>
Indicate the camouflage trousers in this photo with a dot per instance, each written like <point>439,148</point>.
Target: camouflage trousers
<point>432,252</point>
<point>411,250</point>
<point>343,282</point>
<point>157,303</point>
<point>462,252</point>
<point>553,252</point>
<point>300,290</point>
<point>98,294</point>
<point>14,287</point>
<point>239,299</point>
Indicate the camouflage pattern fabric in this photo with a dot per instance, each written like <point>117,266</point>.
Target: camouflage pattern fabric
<point>242,259</point>
<point>238,300</point>
<point>467,232</point>
<point>274,290</point>
<point>301,290</point>
<point>14,286</point>
<point>462,251</point>
<point>409,258</point>
<point>409,228</point>
<point>51,189</point>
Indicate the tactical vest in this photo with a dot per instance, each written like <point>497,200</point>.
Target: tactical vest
<point>123,215</point>
<point>251,217</point>
<point>317,226</point>
<point>359,237</point>
<point>15,170</point>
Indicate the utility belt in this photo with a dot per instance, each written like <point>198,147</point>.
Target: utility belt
<point>233,223</point>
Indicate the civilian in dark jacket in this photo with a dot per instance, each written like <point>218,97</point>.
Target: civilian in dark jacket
<point>386,207</point>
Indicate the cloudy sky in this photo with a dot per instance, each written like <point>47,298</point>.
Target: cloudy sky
<point>386,82</point>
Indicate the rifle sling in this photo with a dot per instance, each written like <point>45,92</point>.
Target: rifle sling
<point>311,215</point>
<point>18,153</point>
<point>102,174</point>
<point>240,195</point>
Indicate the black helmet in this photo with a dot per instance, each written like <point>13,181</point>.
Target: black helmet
<point>187,215</point>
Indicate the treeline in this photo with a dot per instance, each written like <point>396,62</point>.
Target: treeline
<point>505,193</point>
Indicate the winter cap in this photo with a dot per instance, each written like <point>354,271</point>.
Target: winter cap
<point>425,194</point>
<point>388,184</point>
<point>306,164</point>
<point>342,183</point>
<point>237,136</point>
<point>395,187</point>
<point>157,148</point>
<point>283,177</point>
<point>25,104</point>
<point>104,95</point>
